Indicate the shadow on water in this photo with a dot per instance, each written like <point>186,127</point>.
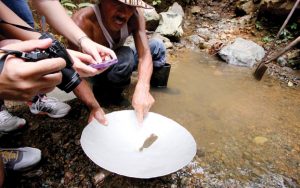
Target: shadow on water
<point>243,128</point>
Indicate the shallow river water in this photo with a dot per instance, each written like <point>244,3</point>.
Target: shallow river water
<point>247,131</point>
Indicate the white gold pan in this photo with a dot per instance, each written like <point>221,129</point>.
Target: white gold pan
<point>122,146</point>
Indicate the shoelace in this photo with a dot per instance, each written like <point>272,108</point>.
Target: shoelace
<point>9,156</point>
<point>4,115</point>
<point>45,102</point>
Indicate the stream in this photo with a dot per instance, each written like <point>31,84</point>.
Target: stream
<point>247,131</point>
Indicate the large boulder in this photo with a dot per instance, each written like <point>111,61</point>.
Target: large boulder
<point>176,8</point>
<point>152,19</point>
<point>170,25</point>
<point>242,53</point>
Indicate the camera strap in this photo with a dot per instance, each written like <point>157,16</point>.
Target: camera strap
<point>19,26</point>
<point>24,55</point>
<point>7,53</point>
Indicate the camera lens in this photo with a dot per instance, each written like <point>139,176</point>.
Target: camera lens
<point>70,79</point>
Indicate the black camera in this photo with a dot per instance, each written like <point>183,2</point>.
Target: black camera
<point>70,78</point>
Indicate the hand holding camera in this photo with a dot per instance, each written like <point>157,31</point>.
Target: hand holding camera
<point>70,78</point>
<point>21,80</point>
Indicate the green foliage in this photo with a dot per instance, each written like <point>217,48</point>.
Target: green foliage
<point>82,5</point>
<point>156,2</point>
<point>294,26</point>
<point>266,39</point>
<point>285,34</point>
<point>70,6</point>
<point>258,25</point>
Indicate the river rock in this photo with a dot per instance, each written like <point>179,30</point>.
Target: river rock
<point>176,8</point>
<point>242,53</point>
<point>170,25</point>
<point>260,140</point>
<point>246,8</point>
<point>152,19</point>
<point>196,9</point>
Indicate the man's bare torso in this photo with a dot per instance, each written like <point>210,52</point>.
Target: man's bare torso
<point>86,19</point>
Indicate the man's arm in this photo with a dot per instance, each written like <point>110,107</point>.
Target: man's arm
<point>142,99</point>
<point>85,94</point>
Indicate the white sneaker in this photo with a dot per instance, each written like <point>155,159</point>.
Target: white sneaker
<point>50,106</point>
<point>9,122</point>
<point>20,158</point>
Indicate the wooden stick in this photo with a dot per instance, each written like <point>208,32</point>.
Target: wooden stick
<point>261,68</point>
<point>289,46</point>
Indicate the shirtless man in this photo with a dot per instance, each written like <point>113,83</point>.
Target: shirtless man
<point>109,23</point>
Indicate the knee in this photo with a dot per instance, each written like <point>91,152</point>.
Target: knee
<point>125,55</point>
<point>158,52</point>
<point>121,71</point>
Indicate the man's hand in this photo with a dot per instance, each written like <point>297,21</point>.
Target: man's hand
<point>98,114</point>
<point>142,101</point>
<point>97,51</point>
<point>81,62</point>
<point>21,80</point>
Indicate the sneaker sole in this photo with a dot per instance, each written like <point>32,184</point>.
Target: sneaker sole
<point>36,161</point>
<point>48,114</point>
<point>20,127</point>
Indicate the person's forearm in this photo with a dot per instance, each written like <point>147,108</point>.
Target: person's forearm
<point>145,70</point>
<point>58,18</point>
<point>85,94</point>
<point>145,65</point>
<point>13,32</point>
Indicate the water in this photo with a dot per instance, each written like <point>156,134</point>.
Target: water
<point>245,129</point>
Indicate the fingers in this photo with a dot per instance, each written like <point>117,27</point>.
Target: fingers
<point>90,47</point>
<point>99,115</point>
<point>108,52</point>
<point>84,58</point>
<point>44,84</point>
<point>46,66</point>
<point>96,56</point>
<point>140,115</point>
<point>83,69</point>
<point>141,112</point>
<point>6,42</point>
<point>142,106</point>
<point>29,45</point>
<point>51,80</point>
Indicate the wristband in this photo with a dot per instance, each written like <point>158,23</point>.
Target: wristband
<point>80,41</point>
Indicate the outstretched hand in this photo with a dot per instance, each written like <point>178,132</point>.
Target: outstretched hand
<point>99,115</point>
